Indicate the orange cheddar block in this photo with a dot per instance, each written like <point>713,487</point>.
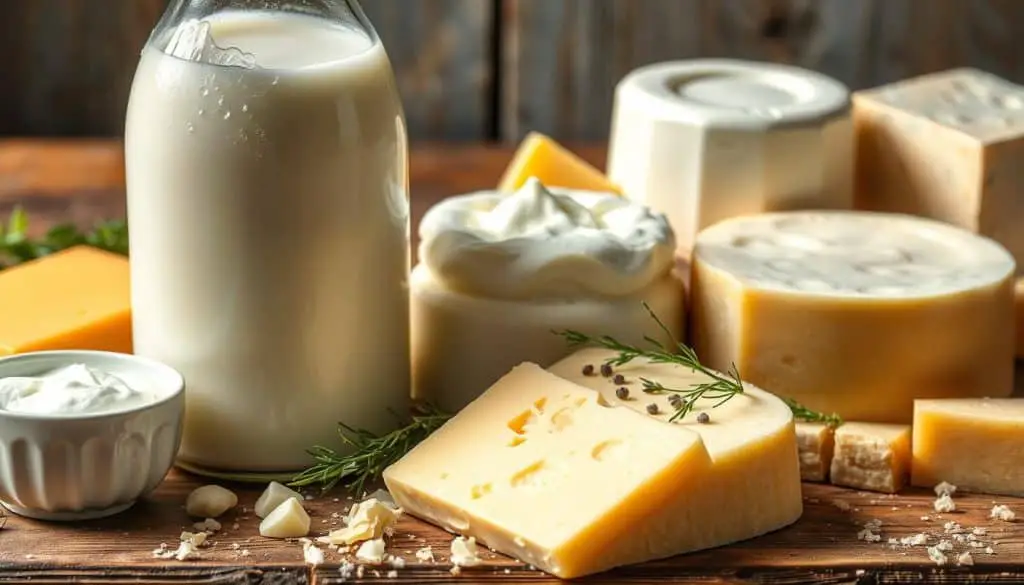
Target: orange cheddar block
<point>75,299</point>
<point>555,166</point>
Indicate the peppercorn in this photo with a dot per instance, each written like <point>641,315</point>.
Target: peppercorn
<point>619,379</point>
<point>703,418</point>
<point>606,370</point>
<point>622,393</point>
<point>588,370</point>
<point>652,408</point>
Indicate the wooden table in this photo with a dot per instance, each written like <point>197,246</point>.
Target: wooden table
<point>83,182</point>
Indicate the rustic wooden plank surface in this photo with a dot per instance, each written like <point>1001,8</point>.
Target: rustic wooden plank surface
<point>561,60</point>
<point>68,64</point>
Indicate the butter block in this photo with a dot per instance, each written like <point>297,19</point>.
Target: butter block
<point>575,481</point>
<point>815,442</point>
<point>871,456</point>
<point>74,299</point>
<point>554,165</point>
<point>946,146</point>
<point>704,140</point>
<point>855,313</point>
<point>974,444</point>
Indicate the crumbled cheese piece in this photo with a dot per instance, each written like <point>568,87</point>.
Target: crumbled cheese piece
<point>273,496</point>
<point>392,574</point>
<point>980,531</point>
<point>937,556</point>
<point>245,552</point>
<point>396,562</point>
<point>944,545</point>
<point>1002,512</point>
<point>210,501</point>
<point>455,571</point>
<point>346,569</point>
<point>310,553</point>
<point>952,528</point>
<point>288,520</point>
<point>189,545</point>
<point>197,539</point>
<point>965,559</point>
<point>944,504</point>
<point>919,539</point>
<point>208,525</point>
<point>371,551</point>
<point>367,520</point>
<point>235,546</point>
<point>945,489</point>
<point>989,551</point>
<point>926,518</point>
<point>425,554</point>
<point>842,505</point>
<point>464,553</point>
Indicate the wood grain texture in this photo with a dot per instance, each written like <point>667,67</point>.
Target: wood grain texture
<point>68,64</point>
<point>561,60</point>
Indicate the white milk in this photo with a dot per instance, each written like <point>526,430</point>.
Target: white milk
<point>269,221</point>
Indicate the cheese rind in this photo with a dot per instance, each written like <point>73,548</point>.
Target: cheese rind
<point>74,299</point>
<point>833,309</point>
<point>554,165</point>
<point>945,146</point>
<point>566,479</point>
<point>975,444</point>
<point>815,442</point>
<point>871,456</point>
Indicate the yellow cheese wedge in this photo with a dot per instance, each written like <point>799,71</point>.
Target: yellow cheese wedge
<point>974,444</point>
<point>75,299</point>
<point>575,481</point>
<point>871,456</point>
<point>554,165</point>
<point>815,442</point>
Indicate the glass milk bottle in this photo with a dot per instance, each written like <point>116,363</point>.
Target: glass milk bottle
<point>266,159</point>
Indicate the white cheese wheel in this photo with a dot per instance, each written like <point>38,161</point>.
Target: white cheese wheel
<point>708,139</point>
<point>857,313</point>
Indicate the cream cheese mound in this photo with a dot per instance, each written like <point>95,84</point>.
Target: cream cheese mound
<point>76,389</point>
<point>545,243</point>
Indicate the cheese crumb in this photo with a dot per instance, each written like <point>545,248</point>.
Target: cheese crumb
<point>372,551</point>
<point>455,571</point>
<point>208,525</point>
<point>367,520</point>
<point>1003,512</point>
<point>396,562</point>
<point>945,489</point>
<point>944,504</point>
<point>273,496</point>
<point>425,554</point>
<point>937,555</point>
<point>464,553</point>
<point>919,539</point>
<point>210,501</point>
<point>980,531</point>
<point>346,570</point>
<point>965,559</point>
<point>842,505</point>
<point>310,553</point>
<point>989,551</point>
<point>944,545</point>
<point>392,574</point>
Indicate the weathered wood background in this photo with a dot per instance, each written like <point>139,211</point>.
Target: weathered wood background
<point>495,69</point>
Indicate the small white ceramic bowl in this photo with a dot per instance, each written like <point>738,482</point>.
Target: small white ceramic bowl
<point>78,467</point>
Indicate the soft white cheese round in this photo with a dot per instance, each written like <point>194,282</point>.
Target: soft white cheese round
<point>541,243</point>
<point>855,312</point>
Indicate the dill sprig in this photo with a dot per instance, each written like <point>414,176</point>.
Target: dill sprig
<point>720,387</point>
<point>16,246</point>
<point>370,454</point>
<point>802,413</point>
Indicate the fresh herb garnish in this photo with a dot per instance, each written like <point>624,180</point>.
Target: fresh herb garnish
<point>16,246</point>
<point>370,453</point>
<point>719,387</point>
<point>802,413</point>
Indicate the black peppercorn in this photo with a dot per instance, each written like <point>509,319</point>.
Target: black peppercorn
<point>622,393</point>
<point>703,418</point>
<point>619,379</point>
<point>606,370</point>
<point>652,408</point>
<point>588,370</point>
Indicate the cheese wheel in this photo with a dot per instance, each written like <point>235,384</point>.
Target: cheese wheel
<point>856,313</point>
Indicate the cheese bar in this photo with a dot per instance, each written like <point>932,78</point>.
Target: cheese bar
<point>871,456</point>
<point>815,442</point>
<point>74,299</point>
<point>976,445</point>
<point>945,146</point>
<point>569,480</point>
<point>554,165</point>
<point>855,313</point>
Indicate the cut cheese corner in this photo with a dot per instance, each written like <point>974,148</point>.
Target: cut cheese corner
<point>871,456</point>
<point>553,165</point>
<point>605,484</point>
<point>815,442</point>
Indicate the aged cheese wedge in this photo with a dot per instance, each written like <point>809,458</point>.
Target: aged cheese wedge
<point>871,456</point>
<point>566,479</point>
<point>75,299</point>
<point>541,157</point>
<point>855,313</point>
<point>815,442</point>
<point>945,146</point>
<point>974,444</point>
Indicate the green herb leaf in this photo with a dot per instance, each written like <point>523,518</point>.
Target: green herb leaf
<point>16,246</point>
<point>802,413</point>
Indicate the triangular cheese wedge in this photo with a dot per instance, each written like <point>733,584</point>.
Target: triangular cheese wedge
<point>554,166</point>
<point>575,481</point>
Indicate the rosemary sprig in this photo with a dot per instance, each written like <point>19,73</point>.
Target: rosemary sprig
<point>801,412</point>
<point>370,454</point>
<point>720,387</point>
<point>16,246</point>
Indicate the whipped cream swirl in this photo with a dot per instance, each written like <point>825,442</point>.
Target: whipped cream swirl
<point>541,243</point>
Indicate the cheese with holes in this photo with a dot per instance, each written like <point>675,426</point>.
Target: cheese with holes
<point>946,146</point>
<point>554,165</point>
<point>74,299</point>
<point>855,313</point>
<point>576,481</point>
<point>815,442</point>
<point>871,456</point>
<point>975,444</point>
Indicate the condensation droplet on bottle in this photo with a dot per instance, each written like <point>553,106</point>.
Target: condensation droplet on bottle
<point>201,111</point>
<point>190,128</point>
<point>275,80</point>
<point>220,101</point>
<point>245,107</point>
<point>204,92</point>
<point>227,115</point>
